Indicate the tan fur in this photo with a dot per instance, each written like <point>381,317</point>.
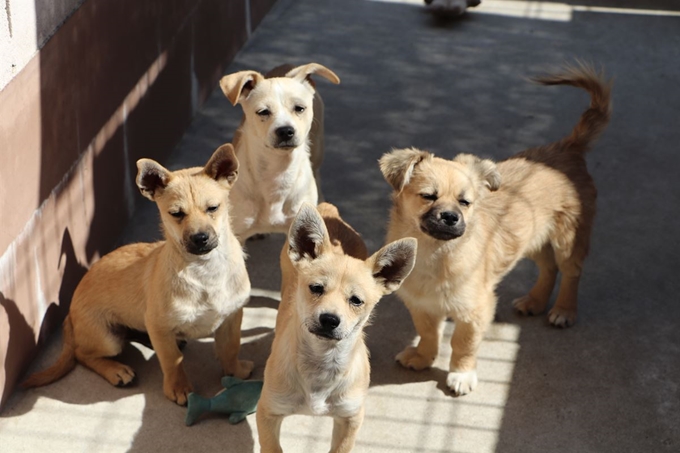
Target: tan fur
<point>317,371</point>
<point>277,176</point>
<point>538,204</point>
<point>191,285</point>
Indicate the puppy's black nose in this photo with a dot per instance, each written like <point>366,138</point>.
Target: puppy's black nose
<point>199,239</point>
<point>450,218</point>
<point>329,321</point>
<point>285,132</point>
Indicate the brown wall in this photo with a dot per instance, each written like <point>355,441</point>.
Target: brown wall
<point>118,81</point>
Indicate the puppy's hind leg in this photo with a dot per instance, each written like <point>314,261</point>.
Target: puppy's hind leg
<point>94,344</point>
<point>570,257</point>
<point>535,302</point>
<point>345,431</point>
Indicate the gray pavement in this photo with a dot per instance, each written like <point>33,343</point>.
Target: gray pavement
<point>608,384</point>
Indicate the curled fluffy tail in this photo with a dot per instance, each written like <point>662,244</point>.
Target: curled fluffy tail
<point>65,363</point>
<point>595,119</point>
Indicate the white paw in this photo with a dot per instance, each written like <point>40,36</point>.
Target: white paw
<point>462,383</point>
<point>559,317</point>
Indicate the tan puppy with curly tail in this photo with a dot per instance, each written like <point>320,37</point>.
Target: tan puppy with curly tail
<point>190,285</point>
<point>474,220</point>
<point>319,362</point>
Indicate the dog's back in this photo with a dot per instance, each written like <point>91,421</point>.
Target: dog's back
<point>344,238</point>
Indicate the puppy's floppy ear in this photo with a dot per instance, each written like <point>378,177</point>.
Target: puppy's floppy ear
<point>397,166</point>
<point>238,85</point>
<point>486,169</point>
<point>394,262</point>
<point>223,165</point>
<point>308,236</point>
<point>152,177</point>
<point>302,73</point>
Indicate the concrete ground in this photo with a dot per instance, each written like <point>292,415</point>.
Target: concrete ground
<point>608,384</point>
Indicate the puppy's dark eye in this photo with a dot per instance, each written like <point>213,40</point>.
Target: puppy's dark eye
<point>212,209</point>
<point>178,215</point>
<point>299,109</point>
<point>354,300</point>
<point>317,289</point>
<point>264,112</point>
<point>464,202</point>
<point>429,196</point>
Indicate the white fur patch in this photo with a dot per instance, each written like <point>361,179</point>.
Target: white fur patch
<point>462,383</point>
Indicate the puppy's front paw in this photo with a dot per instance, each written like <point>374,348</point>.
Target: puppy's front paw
<point>243,369</point>
<point>462,383</point>
<point>177,390</point>
<point>409,358</point>
<point>120,375</point>
<point>561,317</point>
<point>527,305</point>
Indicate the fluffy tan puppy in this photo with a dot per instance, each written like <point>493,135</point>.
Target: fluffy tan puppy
<point>319,362</point>
<point>279,145</point>
<point>191,285</point>
<point>475,219</point>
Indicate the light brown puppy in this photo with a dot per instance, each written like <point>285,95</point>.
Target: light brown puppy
<point>191,285</point>
<point>319,361</point>
<point>279,145</point>
<point>474,220</point>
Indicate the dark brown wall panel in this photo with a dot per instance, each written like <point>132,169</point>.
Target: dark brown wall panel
<point>120,80</point>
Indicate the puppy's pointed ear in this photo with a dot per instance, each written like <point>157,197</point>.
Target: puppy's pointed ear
<point>397,166</point>
<point>304,72</point>
<point>485,168</point>
<point>223,165</point>
<point>152,178</point>
<point>308,236</point>
<point>238,85</point>
<point>393,263</point>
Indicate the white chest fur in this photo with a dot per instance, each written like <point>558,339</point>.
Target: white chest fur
<point>326,380</point>
<point>272,186</point>
<point>439,283</point>
<point>206,291</point>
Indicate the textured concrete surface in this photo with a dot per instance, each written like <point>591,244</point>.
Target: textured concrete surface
<point>608,384</point>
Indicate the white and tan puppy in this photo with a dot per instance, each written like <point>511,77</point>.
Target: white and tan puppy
<point>279,145</point>
<point>319,362</point>
<point>190,285</point>
<point>474,220</point>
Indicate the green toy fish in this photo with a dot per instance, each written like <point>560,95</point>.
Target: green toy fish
<point>238,399</point>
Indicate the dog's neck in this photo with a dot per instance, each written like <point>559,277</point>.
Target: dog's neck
<point>323,361</point>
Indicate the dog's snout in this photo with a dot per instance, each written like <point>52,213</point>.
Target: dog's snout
<point>285,132</point>
<point>199,239</point>
<point>329,321</point>
<point>450,218</point>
